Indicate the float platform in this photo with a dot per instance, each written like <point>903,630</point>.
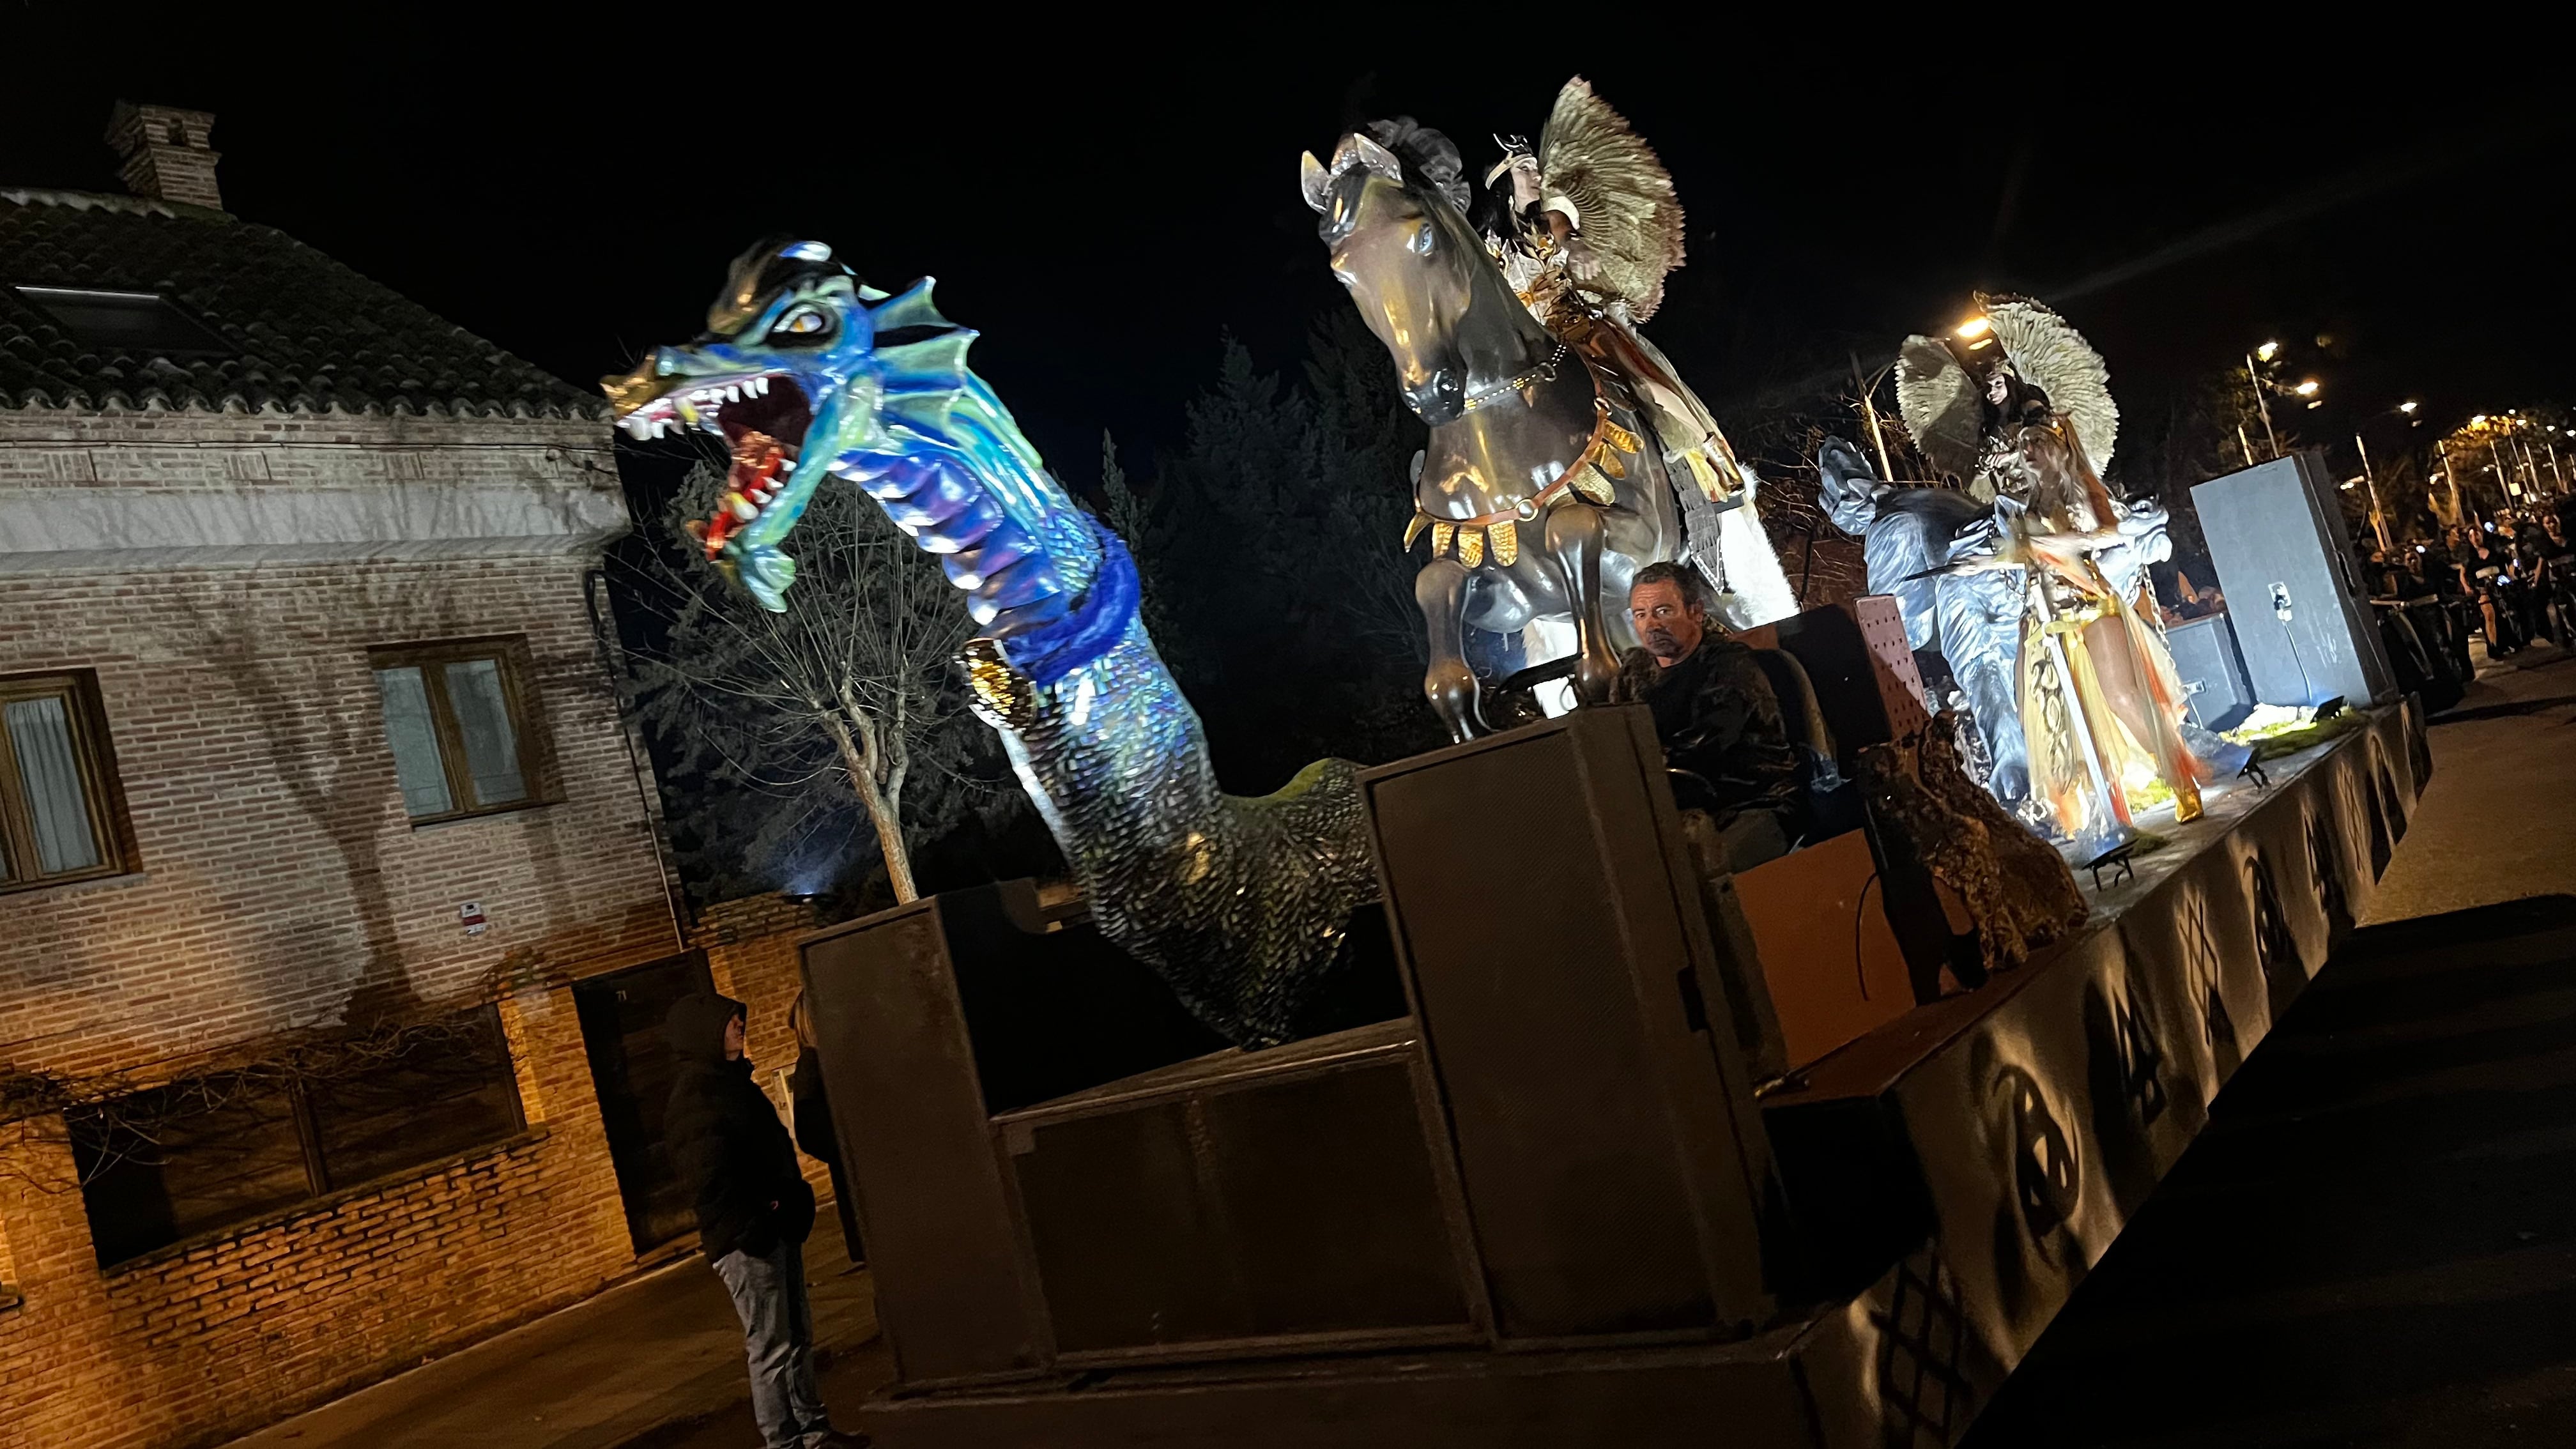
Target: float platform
<point>1538,1201</point>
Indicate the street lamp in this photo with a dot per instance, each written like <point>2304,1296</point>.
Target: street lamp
<point>2257,363</point>
<point>2378,520</point>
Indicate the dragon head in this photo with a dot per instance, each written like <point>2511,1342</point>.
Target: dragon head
<point>785,375</point>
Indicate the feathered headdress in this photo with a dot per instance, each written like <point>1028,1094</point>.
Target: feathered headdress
<point>1944,407</point>
<point>1630,217</point>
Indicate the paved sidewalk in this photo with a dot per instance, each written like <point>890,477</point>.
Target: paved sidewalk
<point>650,1364</point>
<point>2499,820</point>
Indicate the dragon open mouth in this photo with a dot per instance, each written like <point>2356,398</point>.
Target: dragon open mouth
<point>762,417</point>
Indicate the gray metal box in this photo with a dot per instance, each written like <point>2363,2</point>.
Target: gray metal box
<point>2275,529</point>
<point>2205,655</point>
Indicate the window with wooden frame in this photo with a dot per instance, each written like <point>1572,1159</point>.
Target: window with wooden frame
<point>200,1155</point>
<point>62,816</point>
<point>462,722</point>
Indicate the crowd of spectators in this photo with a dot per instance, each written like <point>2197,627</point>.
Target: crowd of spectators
<point>2513,575</point>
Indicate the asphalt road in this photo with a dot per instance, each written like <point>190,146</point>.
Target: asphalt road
<point>2374,1241</point>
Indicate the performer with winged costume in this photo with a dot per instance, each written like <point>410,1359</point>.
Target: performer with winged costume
<point>2027,576</point>
<point>1586,226</point>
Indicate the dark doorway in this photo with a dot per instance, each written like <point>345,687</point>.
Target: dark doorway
<point>630,1063</point>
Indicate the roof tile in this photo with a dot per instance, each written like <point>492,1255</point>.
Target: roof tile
<point>311,333</point>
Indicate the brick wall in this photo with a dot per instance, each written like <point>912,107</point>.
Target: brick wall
<point>219,1335</point>
<point>280,886</point>
<point>279,875</point>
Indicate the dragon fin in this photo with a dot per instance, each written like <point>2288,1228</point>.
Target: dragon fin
<point>923,380</point>
<point>914,308</point>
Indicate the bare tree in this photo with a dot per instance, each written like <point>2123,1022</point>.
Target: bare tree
<point>848,695</point>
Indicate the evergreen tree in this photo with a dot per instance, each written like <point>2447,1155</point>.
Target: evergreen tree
<point>1271,546</point>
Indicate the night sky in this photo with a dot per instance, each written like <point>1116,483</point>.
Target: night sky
<point>1105,209</point>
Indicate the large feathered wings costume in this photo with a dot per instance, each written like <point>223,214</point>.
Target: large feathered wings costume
<point>1629,216</point>
<point>1941,403</point>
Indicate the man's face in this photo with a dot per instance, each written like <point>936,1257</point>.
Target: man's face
<point>733,1040</point>
<point>1667,625</point>
<point>2556,530</point>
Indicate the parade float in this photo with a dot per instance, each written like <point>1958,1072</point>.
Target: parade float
<point>1462,1099</point>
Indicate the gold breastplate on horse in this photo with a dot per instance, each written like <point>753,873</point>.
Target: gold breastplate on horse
<point>1604,457</point>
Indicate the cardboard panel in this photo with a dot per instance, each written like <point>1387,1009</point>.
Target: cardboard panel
<point>1832,961</point>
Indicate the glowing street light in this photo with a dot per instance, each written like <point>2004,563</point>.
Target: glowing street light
<point>2407,408</point>
<point>2307,388</point>
<point>1975,327</point>
<point>2267,351</point>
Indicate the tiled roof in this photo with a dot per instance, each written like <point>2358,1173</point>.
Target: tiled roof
<point>309,333</point>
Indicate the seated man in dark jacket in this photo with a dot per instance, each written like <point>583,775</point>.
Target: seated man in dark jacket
<point>754,1211</point>
<point>1715,713</point>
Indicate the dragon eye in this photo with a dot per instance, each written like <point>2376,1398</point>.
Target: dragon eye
<point>803,322</point>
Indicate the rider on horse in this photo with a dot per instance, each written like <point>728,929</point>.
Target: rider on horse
<point>1585,226</point>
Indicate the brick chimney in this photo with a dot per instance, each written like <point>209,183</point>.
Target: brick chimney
<point>165,154</point>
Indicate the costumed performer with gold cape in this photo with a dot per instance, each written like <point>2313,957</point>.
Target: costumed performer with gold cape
<point>2018,407</point>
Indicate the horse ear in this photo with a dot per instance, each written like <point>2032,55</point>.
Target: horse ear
<point>1313,180</point>
<point>1379,159</point>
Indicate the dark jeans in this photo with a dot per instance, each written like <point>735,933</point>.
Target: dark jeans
<point>778,1338</point>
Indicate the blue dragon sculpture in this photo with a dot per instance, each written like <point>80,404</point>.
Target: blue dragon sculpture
<point>809,375</point>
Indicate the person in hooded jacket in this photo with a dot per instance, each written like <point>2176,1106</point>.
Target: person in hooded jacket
<point>754,1212</point>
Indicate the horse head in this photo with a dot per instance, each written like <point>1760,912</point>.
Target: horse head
<point>1411,262</point>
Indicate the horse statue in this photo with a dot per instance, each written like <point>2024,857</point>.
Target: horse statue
<point>1910,538</point>
<point>1545,483</point>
